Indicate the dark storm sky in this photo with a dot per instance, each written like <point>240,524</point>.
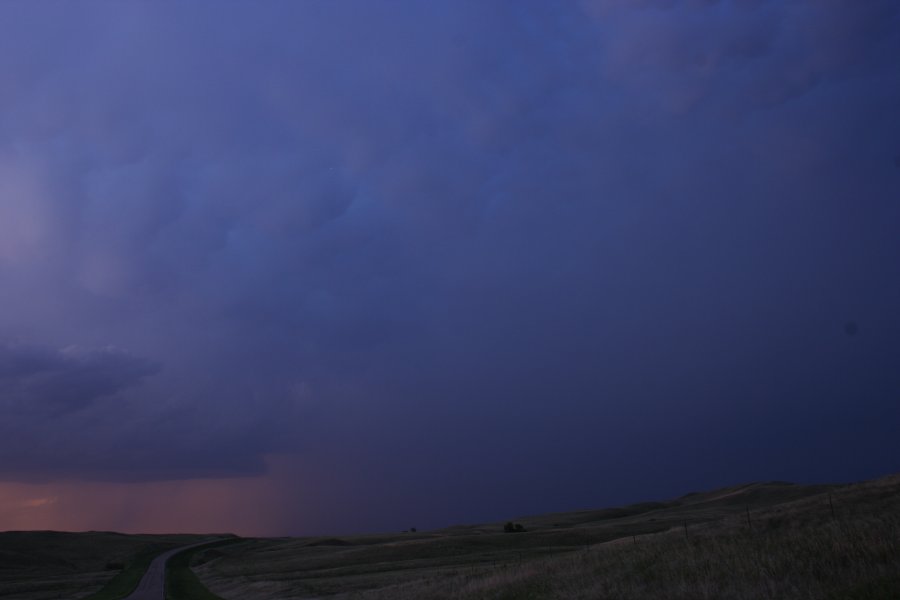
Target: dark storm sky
<point>423,263</point>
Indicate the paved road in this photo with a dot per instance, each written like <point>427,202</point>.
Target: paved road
<point>153,583</point>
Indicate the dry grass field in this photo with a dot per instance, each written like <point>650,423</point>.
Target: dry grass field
<point>45,565</point>
<point>766,540</point>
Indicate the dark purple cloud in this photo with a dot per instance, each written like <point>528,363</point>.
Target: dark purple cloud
<point>33,378</point>
<point>603,247</point>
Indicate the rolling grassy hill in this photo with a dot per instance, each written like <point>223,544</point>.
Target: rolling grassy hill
<point>760,540</point>
<point>44,565</point>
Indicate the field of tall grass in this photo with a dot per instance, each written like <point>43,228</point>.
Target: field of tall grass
<point>758,541</point>
<point>857,557</point>
<point>50,565</point>
<point>764,540</point>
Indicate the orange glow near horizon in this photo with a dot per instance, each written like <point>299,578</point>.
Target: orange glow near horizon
<point>250,506</point>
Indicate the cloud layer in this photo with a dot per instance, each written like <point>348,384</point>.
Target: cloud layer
<point>423,245</point>
<point>67,379</point>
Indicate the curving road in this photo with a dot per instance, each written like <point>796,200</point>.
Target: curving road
<point>153,583</point>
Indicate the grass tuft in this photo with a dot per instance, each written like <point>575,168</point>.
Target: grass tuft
<point>181,582</point>
<point>127,580</point>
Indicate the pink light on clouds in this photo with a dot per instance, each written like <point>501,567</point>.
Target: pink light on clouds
<point>25,218</point>
<point>245,506</point>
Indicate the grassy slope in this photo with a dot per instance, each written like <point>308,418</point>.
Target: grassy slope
<point>44,565</point>
<point>129,577</point>
<point>697,546</point>
<point>181,583</point>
